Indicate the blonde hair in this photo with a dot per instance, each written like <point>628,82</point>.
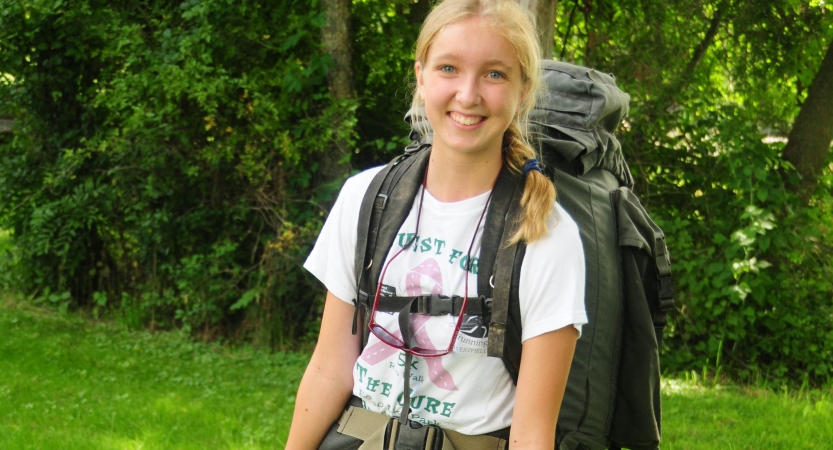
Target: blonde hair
<point>515,25</point>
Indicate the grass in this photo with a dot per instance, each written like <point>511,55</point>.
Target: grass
<point>67,383</point>
<point>732,417</point>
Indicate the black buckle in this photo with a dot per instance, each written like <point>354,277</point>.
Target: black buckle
<point>435,305</point>
<point>413,436</point>
<point>413,147</point>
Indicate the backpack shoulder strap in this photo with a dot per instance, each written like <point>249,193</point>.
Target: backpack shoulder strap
<point>390,194</point>
<point>507,258</point>
<point>496,219</point>
<point>512,337</point>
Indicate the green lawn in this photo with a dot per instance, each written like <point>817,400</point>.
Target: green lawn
<point>740,418</point>
<point>68,383</point>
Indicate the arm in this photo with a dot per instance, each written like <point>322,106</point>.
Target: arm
<point>328,381</point>
<point>541,382</point>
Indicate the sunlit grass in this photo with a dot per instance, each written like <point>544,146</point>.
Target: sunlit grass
<point>736,417</point>
<point>68,383</point>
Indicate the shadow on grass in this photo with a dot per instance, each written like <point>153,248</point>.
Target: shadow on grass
<point>69,383</point>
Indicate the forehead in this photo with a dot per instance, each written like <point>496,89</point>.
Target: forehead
<point>473,41</point>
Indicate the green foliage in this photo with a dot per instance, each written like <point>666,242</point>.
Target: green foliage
<point>7,260</point>
<point>708,81</point>
<point>163,151</point>
<point>385,33</point>
<point>751,275</point>
<point>165,160</point>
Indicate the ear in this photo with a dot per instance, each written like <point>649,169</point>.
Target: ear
<point>418,73</point>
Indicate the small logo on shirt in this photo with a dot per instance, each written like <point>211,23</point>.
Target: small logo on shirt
<point>388,291</point>
<point>473,326</point>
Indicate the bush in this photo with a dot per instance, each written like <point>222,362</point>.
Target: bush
<point>752,272</point>
<point>165,158</point>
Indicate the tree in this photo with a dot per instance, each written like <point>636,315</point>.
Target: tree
<point>336,39</point>
<point>163,159</point>
<point>6,125</point>
<point>544,13</point>
<point>809,140</point>
<point>710,80</point>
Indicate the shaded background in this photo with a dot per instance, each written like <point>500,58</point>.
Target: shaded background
<point>171,164</point>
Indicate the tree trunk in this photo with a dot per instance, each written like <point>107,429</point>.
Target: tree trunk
<point>6,125</point>
<point>336,38</point>
<point>544,13</point>
<point>812,131</point>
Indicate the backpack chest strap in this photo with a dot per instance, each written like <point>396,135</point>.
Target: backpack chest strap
<point>435,305</point>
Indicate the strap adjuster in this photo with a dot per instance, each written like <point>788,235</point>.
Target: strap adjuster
<point>435,305</point>
<point>381,201</point>
<point>363,298</point>
<point>666,293</point>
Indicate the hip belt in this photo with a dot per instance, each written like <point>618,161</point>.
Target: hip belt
<point>375,431</point>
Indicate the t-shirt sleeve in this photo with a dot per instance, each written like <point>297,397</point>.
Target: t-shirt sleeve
<point>333,256</point>
<point>552,279</point>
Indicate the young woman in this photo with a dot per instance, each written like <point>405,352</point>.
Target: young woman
<point>477,73</point>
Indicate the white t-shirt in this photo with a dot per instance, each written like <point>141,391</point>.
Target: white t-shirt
<point>465,390</point>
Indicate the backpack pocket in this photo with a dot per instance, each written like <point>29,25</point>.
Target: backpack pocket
<point>647,296</point>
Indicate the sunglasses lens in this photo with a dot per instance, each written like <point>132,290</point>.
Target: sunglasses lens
<point>427,339</point>
<point>385,336</point>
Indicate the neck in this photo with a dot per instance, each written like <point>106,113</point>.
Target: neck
<point>456,177</point>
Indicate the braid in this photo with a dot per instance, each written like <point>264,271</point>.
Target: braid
<point>539,192</point>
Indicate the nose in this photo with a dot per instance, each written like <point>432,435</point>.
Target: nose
<point>468,91</point>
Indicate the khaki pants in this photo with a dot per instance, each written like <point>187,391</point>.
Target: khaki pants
<point>370,427</point>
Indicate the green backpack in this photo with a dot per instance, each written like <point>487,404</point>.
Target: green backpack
<point>612,398</point>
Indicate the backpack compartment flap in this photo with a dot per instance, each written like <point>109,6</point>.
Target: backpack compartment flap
<point>637,421</point>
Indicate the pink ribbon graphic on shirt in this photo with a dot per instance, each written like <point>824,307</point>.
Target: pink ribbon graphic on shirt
<point>380,351</point>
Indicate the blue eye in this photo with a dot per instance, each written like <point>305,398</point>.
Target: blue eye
<point>447,69</point>
<point>495,75</point>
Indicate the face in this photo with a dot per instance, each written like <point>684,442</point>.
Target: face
<point>471,85</point>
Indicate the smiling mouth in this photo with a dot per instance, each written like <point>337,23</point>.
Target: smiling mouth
<point>465,120</point>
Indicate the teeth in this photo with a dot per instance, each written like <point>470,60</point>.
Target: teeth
<point>465,120</point>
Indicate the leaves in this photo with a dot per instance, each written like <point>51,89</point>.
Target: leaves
<point>702,141</point>
<point>164,161</point>
<point>161,147</point>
